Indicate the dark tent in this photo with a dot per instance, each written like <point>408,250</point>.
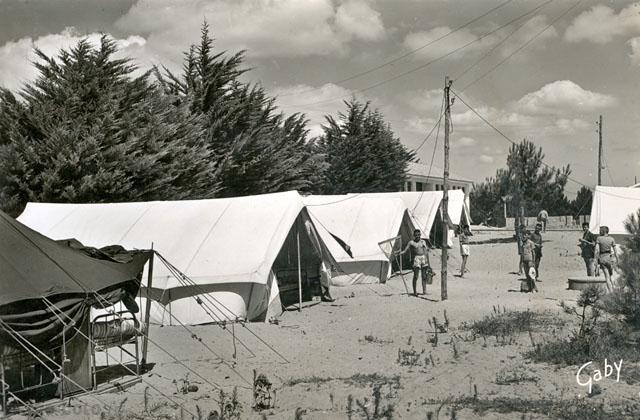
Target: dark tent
<point>33,266</point>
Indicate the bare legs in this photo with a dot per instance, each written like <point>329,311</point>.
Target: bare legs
<point>463,267</point>
<point>417,271</point>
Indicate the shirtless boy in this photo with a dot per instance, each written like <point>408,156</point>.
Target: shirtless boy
<point>420,253</point>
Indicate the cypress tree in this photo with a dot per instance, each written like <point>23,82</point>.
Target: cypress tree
<point>88,130</point>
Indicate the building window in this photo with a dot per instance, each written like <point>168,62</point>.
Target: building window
<point>419,186</point>
<point>408,185</point>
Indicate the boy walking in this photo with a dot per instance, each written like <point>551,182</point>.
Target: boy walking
<point>543,217</point>
<point>420,256</point>
<point>606,254</point>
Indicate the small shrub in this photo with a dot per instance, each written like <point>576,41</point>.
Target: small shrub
<point>514,375</point>
<point>607,340</point>
<point>378,411</point>
<point>409,357</point>
<point>374,340</point>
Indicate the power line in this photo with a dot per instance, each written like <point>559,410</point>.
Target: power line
<point>492,49</point>
<point>497,130</point>
<point>420,67</point>
<point>407,54</point>
<point>523,45</point>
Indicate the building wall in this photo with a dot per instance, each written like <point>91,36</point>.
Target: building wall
<point>435,184</point>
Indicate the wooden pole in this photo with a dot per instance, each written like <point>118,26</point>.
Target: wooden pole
<point>4,388</point>
<point>147,311</point>
<point>445,192</point>
<point>504,207</point>
<point>600,151</point>
<point>299,272</point>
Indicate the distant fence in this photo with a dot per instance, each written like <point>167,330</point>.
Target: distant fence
<point>552,222</point>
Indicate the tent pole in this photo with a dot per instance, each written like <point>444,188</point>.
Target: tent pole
<point>147,310</point>
<point>299,273</point>
<point>400,258</point>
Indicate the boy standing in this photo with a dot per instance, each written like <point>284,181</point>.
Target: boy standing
<point>528,258</point>
<point>520,239</point>
<point>536,237</point>
<point>420,254</point>
<point>463,237</point>
<point>587,246</point>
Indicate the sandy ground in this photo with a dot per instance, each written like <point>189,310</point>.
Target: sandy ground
<point>329,358</point>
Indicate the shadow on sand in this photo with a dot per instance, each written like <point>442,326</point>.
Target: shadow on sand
<point>508,240</point>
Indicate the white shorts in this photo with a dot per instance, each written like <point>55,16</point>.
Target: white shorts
<point>464,249</point>
<point>420,261</point>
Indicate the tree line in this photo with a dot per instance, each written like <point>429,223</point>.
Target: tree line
<point>525,187</point>
<point>90,128</point>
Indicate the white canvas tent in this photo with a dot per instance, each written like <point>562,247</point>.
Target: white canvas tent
<point>362,221</point>
<point>424,208</point>
<point>611,207</point>
<point>236,250</point>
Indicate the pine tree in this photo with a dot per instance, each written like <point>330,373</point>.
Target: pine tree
<point>625,300</point>
<point>527,181</point>
<point>362,153</point>
<point>87,130</point>
<point>258,149</point>
<point>582,203</point>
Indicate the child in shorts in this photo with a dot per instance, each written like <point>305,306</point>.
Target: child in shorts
<point>420,253</point>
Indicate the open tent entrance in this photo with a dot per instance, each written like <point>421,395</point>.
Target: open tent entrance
<point>297,265</point>
<point>405,234</point>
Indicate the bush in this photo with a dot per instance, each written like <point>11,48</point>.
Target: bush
<point>625,300</point>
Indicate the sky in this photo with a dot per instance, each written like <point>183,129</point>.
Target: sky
<point>544,70</point>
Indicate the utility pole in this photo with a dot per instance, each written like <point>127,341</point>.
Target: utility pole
<point>445,191</point>
<point>600,151</point>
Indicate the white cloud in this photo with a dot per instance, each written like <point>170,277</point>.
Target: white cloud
<point>468,121</point>
<point>486,159</point>
<point>320,102</point>
<point>571,126</point>
<point>270,28</point>
<point>601,24</point>
<point>357,18</point>
<point>437,42</point>
<point>635,51</point>
<point>16,58</point>
<point>467,141</point>
<point>439,47</point>
<point>563,95</point>
<point>534,27</point>
<point>425,100</point>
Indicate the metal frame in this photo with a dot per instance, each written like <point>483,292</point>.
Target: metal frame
<point>104,344</point>
<point>20,356</point>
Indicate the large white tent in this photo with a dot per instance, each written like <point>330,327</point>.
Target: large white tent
<point>611,207</point>
<point>236,250</point>
<point>424,207</point>
<point>362,221</point>
<point>421,209</point>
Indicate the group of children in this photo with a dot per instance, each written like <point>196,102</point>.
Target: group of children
<point>598,252</point>
<point>420,257</point>
<point>530,252</point>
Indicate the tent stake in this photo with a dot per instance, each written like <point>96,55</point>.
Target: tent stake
<point>147,310</point>
<point>299,273</point>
